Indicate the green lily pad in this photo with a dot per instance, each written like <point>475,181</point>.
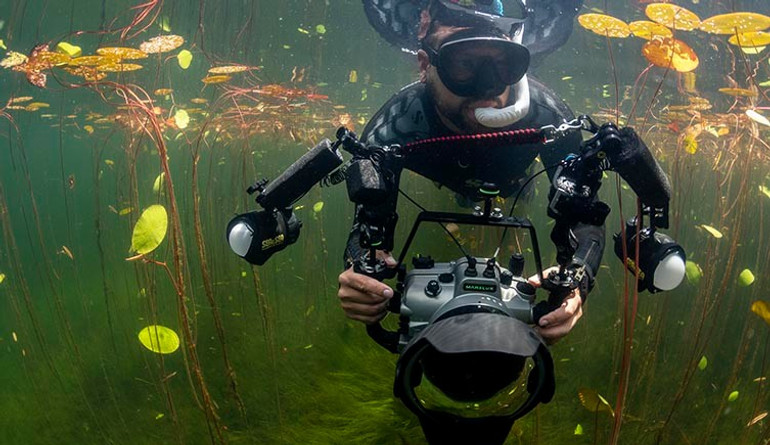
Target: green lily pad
<point>694,272</point>
<point>157,186</point>
<point>184,58</point>
<point>150,230</point>
<point>703,363</point>
<point>733,396</point>
<point>181,119</point>
<point>317,207</point>
<point>746,278</point>
<point>594,402</point>
<point>159,339</point>
<point>165,24</point>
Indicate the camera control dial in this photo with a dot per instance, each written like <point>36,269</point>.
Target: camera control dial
<point>433,288</point>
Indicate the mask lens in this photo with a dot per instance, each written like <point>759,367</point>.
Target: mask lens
<point>469,67</point>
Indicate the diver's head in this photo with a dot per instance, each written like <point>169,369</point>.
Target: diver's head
<point>469,60</point>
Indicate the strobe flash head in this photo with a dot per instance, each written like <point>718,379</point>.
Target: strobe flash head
<point>661,260</point>
<point>255,236</point>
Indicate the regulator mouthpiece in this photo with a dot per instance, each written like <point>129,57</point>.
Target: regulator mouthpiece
<point>503,117</point>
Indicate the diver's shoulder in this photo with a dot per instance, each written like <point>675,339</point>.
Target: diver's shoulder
<point>403,118</point>
<point>546,102</point>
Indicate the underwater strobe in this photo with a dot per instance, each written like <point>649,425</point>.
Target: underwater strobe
<point>661,260</point>
<point>660,263</point>
<point>255,236</point>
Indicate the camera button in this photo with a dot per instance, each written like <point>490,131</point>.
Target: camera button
<point>525,289</point>
<point>433,288</point>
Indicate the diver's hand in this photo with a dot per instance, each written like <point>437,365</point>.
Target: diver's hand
<point>558,323</point>
<point>363,298</point>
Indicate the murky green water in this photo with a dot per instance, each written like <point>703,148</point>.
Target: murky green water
<point>273,359</point>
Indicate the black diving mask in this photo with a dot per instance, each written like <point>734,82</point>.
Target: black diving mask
<point>473,66</point>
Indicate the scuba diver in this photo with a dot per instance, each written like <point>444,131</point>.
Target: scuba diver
<point>472,80</point>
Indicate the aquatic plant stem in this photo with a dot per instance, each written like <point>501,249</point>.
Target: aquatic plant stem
<point>712,305</point>
<point>615,80</point>
<point>629,319</point>
<point>209,289</point>
<point>267,327</point>
<point>152,129</point>
<point>100,247</point>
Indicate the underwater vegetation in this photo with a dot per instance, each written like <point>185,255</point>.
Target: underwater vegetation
<point>129,131</point>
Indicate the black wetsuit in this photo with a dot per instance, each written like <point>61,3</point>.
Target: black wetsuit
<point>410,115</point>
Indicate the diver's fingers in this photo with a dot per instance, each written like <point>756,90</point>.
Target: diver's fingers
<point>352,285</point>
<point>535,279</point>
<point>570,311</point>
<point>386,256</point>
<point>365,312</point>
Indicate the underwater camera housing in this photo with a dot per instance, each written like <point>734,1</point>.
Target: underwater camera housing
<point>255,236</point>
<point>464,326</point>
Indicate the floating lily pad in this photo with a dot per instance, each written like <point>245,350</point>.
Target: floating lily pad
<point>736,22</point>
<point>671,53</point>
<point>215,79</point>
<point>13,59</point>
<point>162,44</point>
<point>703,363</point>
<point>317,207</point>
<point>122,53</point>
<point>750,39</point>
<point>93,60</point>
<point>604,25</point>
<point>672,16</point>
<point>2,277</point>
<point>753,50</point>
<point>119,67</point>
<point>733,396</point>
<point>229,69</point>
<point>150,230</point>
<point>159,339</point>
<point>648,30</point>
